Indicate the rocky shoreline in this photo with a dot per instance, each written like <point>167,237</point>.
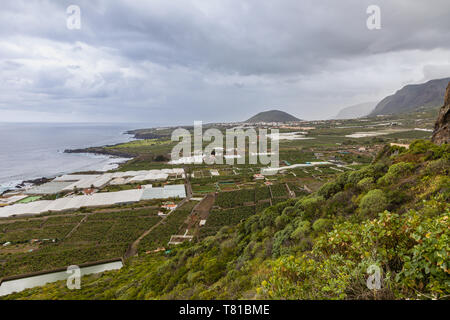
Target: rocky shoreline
<point>102,151</point>
<point>42,180</point>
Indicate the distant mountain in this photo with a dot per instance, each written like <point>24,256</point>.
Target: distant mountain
<point>356,111</point>
<point>411,97</point>
<point>272,116</point>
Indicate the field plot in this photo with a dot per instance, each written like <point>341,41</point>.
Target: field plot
<point>113,228</point>
<point>202,189</point>
<point>231,207</point>
<point>235,198</point>
<point>229,217</point>
<point>93,237</point>
<point>53,228</point>
<point>278,190</point>
<point>160,236</point>
<point>262,193</point>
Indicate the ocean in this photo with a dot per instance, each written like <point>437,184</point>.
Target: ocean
<point>34,150</point>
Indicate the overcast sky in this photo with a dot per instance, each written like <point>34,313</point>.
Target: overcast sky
<point>170,61</point>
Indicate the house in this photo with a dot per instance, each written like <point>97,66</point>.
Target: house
<point>258,176</point>
<point>155,251</point>
<point>400,145</point>
<point>88,191</point>
<point>318,154</point>
<point>202,222</point>
<point>169,206</point>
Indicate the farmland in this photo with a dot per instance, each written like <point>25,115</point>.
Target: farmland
<point>52,240</point>
<point>94,236</point>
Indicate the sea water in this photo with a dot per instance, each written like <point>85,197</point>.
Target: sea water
<point>35,150</point>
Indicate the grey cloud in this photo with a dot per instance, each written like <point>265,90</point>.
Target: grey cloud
<point>215,60</point>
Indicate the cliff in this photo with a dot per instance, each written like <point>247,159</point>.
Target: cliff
<point>441,133</point>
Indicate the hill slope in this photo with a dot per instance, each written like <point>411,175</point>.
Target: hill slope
<point>272,116</point>
<point>356,111</point>
<point>393,214</point>
<point>411,97</point>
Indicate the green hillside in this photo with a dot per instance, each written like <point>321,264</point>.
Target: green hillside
<point>393,213</point>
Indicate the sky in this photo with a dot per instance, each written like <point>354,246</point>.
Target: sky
<point>172,62</point>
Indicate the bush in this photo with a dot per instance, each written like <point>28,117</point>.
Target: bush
<point>329,189</point>
<point>310,206</point>
<point>366,184</point>
<point>395,172</point>
<point>281,239</point>
<point>281,221</point>
<point>373,202</point>
<point>439,166</point>
<point>429,149</point>
<point>411,250</point>
<point>302,230</point>
<point>322,225</point>
<point>289,211</point>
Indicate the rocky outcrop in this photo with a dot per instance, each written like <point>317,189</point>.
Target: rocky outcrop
<point>441,133</point>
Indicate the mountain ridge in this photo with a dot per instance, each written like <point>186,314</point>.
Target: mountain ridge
<point>356,111</point>
<point>412,97</point>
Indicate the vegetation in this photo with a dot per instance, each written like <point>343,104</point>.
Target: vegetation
<point>316,246</point>
<point>160,236</point>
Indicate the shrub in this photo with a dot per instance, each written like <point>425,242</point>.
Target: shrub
<point>302,230</point>
<point>329,189</point>
<point>439,166</point>
<point>429,149</point>
<point>411,250</point>
<point>310,206</point>
<point>366,184</point>
<point>373,202</point>
<point>395,172</point>
<point>288,211</point>
<point>281,221</point>
<point>281,239</point>
<point>322,225</point>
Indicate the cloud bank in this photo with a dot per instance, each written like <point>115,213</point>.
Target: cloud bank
<point>177,61</point>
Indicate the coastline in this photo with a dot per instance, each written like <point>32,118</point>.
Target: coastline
<point>100,162</point>
<point>111,162</point>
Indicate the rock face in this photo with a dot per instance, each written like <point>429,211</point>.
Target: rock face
<point>441,133</point>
